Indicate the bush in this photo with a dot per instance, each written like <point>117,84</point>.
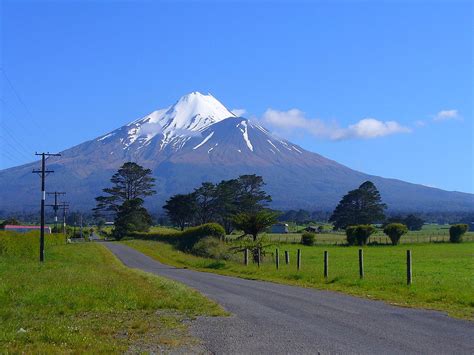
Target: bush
<point>191,236</point>
<point>308,239</point>
<point>211,247</point>
<point>359,234</point>
<point>456,232</point>
<point>395,231</point>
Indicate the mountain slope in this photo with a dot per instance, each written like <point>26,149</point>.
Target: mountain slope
<point>197,139</point>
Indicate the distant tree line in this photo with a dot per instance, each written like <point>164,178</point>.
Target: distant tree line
<point>219,203</point>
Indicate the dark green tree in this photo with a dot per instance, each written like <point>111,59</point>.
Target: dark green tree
<point>360,206</point>
<point>456,232</point>
<point>131,217</point>
<point>206,203</point>
<point>226,203</point>
<point>9,221</point>
<point>251,197</point>
<point>181,209</point>
<point>413,222</point>
<point>359,234</point>
<point>131,181</point>
<point>254,223</point>
<point>395,231</point>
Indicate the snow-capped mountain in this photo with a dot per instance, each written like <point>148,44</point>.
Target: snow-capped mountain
<point>174,125</point>
<point>198,139</point>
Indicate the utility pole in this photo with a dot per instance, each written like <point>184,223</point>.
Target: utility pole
<point>55,207</point>
<point>80,219</point>
<point>42,174</point>
<point>64,206</point>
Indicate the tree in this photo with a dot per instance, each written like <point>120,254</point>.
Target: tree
<point>9,221</point>
<point>251,197</point>
<point>359,234</point>
<point>130,182</point>
<point>254,223</point>
<point>226,204</point>
<point>206,203</point>
<point>131,217</point>
<point>100,224</point>
<point>181,209</point>
<point>456,232</point>
<point>360,206</point>
<point>413,222</point>
<point>395,231</point>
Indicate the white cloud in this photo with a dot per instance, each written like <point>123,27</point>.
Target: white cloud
<point>445,115</point>
<point>372,128</point>
<point>420,123</point>
<point>239,112</point>
<point>295,120</point>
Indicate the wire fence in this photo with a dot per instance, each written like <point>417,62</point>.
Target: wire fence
<point>338,238</point>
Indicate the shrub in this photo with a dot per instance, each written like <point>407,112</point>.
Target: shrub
<point>191,236</point>
<point>211,247</point>
<point>359,234</point>
<point>395,231</point>
<point>308,238</point>
<point>456,232</point>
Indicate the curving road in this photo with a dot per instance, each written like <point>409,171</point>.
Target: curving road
<point>273,318</point>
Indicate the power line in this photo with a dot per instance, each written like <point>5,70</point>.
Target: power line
<point>17,117</point>
<point>15,147</point>
<point>18,143</point>
<point>20,99</point>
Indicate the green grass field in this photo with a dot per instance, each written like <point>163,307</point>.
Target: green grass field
<point>83,300</point>
<point>443,273</point>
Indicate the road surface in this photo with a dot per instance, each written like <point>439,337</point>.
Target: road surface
<point>280,319</point>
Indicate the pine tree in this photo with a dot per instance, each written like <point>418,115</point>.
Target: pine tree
<point>131,181</point>
<point>360,206</point>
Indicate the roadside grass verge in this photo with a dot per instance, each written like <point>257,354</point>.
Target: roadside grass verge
<point>83,300</point>
<point>442,273</point>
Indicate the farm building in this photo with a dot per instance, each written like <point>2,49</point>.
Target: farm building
<point>279,228</point>
<point>25,229</point>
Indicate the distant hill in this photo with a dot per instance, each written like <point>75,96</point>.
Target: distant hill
<point>198,139</point>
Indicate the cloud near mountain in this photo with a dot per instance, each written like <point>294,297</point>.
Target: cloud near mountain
<point>295,120</point>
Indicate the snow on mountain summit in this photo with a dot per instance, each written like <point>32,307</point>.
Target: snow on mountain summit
<point>189,116</point>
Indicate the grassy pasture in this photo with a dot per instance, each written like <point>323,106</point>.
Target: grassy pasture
<point>83,300</point>
<point>442,272</point>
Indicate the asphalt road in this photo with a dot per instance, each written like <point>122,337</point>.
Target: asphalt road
<point>280,319</point>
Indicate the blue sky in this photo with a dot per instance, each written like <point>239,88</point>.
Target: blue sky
<point>382,87</point>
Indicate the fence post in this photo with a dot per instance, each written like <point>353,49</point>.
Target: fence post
<point>409,274</point>
<point>298,260</point>
<point>258,257</point>
<point>326,255</point>
<point>277,258</point>
<point>246,257</point>
<point>287,257</point>
<point>361,263</point>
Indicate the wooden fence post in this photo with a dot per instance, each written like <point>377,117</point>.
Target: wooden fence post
<point>409,274</point>
<point>326,255</point>
<point>277,258</point>
<point>287,257</point>
<point>258,257</point>
<point>361,263</point>
<point>298,260</point>
<point>246,257</point>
